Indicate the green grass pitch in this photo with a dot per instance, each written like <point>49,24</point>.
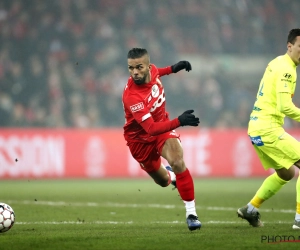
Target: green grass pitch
<point>138,214</point>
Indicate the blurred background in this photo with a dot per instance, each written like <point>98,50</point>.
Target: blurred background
<point>63,62</point>
<point>63,67</point>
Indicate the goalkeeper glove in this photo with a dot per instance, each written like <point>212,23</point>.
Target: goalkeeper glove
<point>187,118</point>
<point>181,65</point>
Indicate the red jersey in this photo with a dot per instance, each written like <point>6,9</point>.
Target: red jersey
<point>143,101</point>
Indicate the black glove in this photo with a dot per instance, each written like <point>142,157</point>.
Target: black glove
<point>187,118</point>
<point>181,65</point>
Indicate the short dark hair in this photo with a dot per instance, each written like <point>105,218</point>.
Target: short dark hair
<point>137,53</point>
<point>293,35</point>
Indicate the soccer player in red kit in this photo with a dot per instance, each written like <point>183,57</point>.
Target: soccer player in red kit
<point>150,133</point>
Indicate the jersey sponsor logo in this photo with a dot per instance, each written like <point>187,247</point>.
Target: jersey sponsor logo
<point>256,140</point>
<point>137,107</point>
<point>287,75</point>
<point>287,78</point>
<point>155,91</point>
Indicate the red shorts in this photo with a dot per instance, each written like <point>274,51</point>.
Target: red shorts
<point>148,154</point>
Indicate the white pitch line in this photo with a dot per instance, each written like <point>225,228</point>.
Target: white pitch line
<point>131,222</point>
<point>111,204</point>
<point>71,222</point>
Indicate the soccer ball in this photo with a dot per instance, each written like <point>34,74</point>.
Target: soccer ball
<point>7,217</point>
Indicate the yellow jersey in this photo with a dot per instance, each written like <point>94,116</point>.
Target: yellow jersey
<point>280,76</point>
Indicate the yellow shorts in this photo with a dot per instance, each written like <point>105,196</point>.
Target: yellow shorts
<point>275,148</point>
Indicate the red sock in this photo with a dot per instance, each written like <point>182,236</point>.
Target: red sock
<point>185,185</point>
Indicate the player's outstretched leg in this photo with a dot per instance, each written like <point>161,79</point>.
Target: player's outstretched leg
<point>192,219</point>
<point>271,185</point>
<point>173,153</point>
<point>185,187</point>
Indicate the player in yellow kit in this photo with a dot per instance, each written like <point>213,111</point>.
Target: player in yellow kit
<point>275,148</point>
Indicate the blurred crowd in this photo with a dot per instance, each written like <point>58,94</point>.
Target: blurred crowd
<point>63,62</point>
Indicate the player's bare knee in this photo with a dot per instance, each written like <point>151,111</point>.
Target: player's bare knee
<point>177,165</point>
<point>286,174</point>
<point>291,173</point>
